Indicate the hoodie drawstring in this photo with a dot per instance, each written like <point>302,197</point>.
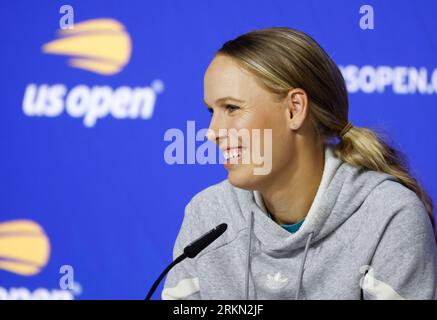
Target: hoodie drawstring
<point>300,277</point>
<point>301,269</point>
<point>248,256</point>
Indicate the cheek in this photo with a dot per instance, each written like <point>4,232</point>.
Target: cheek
<point>257,119</point>
<point>263,120</point>
<point>281,143</point>
<point>275,146</point>
<point>281,149</point>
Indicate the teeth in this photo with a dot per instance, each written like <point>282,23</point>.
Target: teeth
<point>231,154</point>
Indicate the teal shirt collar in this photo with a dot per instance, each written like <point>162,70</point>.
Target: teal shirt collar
<point>292,228</point>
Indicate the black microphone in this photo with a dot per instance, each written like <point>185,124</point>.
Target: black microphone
<point>190,251</point>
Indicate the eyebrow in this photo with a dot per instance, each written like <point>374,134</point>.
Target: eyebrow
<point>224,99</point>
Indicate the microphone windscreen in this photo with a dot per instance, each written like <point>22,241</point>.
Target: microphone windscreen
<point>198,245</point>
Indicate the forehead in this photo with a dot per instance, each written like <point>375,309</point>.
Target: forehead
<point>224,77</point>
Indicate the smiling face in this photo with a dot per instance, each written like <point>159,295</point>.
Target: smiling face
<point>248,106</point>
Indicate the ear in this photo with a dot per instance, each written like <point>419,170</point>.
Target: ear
<point>297,107</point>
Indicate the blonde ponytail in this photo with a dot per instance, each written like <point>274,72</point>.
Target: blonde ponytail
<point>363,147</point>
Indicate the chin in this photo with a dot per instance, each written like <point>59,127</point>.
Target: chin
<point>244,178</point>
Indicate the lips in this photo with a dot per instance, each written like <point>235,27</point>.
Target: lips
<point>232,153</point>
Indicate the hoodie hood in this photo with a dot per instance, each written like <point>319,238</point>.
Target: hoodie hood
<point>342,190</point>
<point>332,205</point>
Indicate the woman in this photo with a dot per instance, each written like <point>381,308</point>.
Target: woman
<point>338,216</point>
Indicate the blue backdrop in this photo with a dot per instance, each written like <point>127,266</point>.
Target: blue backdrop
<point>89,189</point>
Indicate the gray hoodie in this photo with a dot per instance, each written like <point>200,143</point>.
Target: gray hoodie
<point>366,236</point>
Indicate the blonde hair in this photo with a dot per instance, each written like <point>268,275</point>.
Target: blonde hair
<point>284,58</point>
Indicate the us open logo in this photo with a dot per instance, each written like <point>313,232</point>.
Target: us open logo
<point>25,251</point>
<point>24,247</point>
<point>103,47</point>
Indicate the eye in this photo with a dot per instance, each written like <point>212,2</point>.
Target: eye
<point>210,110</point>
<point>231,107</point>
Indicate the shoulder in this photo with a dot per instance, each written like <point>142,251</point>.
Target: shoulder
<point>219,203</point>
<point>399,207</point>
<point>213,194</point>
<point>222,195</point>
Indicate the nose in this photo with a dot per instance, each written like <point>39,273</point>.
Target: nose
<point>216,131</point>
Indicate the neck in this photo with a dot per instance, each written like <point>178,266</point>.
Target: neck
<point>290,195</point>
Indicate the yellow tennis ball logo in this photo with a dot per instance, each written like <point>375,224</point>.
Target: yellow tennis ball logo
<point>24,247</point>
<point>101,45</point>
